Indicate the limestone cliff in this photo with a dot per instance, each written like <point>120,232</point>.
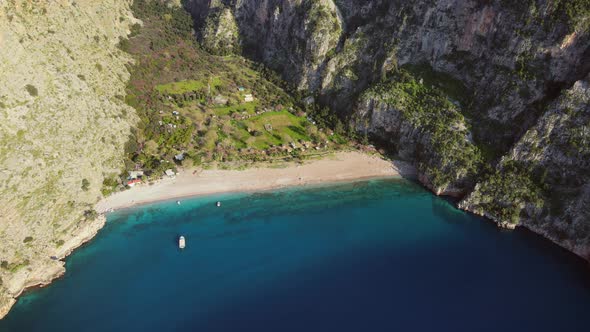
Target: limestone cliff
<point>63,126</point>
<point>543,183</point>
<point>494,68</point>
<point>292,36</point>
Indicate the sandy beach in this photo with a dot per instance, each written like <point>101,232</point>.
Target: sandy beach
<point>343,166</point>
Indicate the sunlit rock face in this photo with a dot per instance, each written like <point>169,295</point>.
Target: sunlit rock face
<point>63,126</point>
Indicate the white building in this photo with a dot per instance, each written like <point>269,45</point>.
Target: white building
<point>170,173</point>
<point>135,174</point>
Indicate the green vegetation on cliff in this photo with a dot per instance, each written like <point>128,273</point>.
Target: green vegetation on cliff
<point>506,193</point>
<point>574,13</point>
<point>452,88</point>
<point>322,20</point>
<point>543,181</point>
<point>449,154</point>
<point>577,12</point>
<point>220,34</point>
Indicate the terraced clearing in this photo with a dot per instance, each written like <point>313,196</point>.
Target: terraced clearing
<point>208,109</point>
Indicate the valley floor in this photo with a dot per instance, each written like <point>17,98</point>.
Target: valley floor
<point>342,166</point>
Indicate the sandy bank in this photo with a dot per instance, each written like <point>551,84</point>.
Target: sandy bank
<point>342,166</point>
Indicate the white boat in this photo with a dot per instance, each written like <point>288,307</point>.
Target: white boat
<point>181,242</point>
<point>218,204</point>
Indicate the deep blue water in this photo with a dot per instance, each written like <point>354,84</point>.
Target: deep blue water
<point>370,256</point>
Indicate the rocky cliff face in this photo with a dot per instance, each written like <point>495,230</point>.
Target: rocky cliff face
<point>63,125</point>
<point>543,183</point>
<point>499,71</point>
<point>292,36</point>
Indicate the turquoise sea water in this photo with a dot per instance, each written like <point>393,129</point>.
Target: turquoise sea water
<point>383,255</point>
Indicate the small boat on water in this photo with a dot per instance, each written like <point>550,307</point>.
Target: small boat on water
<point>181,242</point>
<point>218,204</point>
<point>178,202</point>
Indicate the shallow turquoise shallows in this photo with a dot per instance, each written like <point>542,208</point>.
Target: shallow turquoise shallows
<point>383,255</point>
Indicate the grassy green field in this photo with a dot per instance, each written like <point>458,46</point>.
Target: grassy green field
<point>286,128</point>
<point>249,108</point>
<point>180,87</point>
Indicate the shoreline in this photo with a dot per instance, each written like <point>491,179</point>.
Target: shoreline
<point>251,191</point>
<point>338,168</point>
<point>56,269</point>
<point>581,252</point>
<point>342,167</point>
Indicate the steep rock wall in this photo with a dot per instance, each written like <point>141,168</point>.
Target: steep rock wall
<point>501,63</point>
<point>512,57</point>
<point>422,124</point>
<point>291,36</point>
<point>63,126</point>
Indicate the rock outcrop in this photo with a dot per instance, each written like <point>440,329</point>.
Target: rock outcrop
<point>421,123</point>
<point>292,36</point>
<point>219,34</point>
<point>63,127</point>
